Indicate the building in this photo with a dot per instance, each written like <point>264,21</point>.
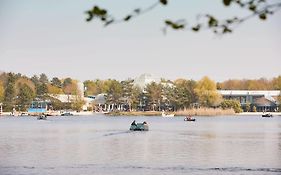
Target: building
<point>262,100</point>
<point>144,80</point>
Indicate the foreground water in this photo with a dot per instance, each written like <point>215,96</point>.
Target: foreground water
<point>103,145</point>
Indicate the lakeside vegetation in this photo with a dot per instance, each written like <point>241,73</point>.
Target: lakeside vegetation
<point>182,96</point>
<point>185,112</point>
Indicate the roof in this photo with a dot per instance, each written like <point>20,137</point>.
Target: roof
<point>249,92</point>
<point>263,102</point>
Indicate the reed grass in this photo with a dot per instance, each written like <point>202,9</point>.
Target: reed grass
<point>205,112</point>
<point>185,112</point>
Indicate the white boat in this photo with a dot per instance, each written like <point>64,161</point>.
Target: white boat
<point>167,115</point>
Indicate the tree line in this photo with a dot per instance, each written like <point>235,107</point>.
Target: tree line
<point>17,91</point>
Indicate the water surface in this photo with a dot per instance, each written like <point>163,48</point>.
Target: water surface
<point>104,145</point>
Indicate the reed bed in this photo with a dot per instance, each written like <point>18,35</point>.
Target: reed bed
<point>205,112</point>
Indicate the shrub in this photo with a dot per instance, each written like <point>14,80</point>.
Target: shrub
<point>235,105</point>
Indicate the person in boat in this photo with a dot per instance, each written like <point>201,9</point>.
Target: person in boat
<point>134,123</point>
<point>188,117</point>
<point>144,123</point>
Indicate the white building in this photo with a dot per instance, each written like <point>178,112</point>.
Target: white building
<point>144,80</point>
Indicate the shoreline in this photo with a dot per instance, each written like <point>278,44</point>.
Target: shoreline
<point>258,113</point>
<point>151,113</point>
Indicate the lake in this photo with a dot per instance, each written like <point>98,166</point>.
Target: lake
<point>103,145</point>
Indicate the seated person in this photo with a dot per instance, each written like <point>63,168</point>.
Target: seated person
<point>134,123</point>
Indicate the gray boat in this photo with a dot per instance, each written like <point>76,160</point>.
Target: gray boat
<point>139,126</point>
<point>42,117</point>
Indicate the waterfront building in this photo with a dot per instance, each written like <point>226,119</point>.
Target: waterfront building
<point>262,100</point>
<point>38,107</point>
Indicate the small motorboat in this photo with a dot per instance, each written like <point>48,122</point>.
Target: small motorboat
<point>42,117</point>
<point>267,115</point>
<point>189,119</point>
<point>139,126</point>
<point>66,114</point>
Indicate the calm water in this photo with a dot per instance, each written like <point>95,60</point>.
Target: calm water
<point>103,145</point>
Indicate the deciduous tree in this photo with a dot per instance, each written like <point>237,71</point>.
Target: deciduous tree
<point>207,92</point>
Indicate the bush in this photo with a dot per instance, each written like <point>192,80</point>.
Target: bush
<point>235,105</point>
<point>254,109</point>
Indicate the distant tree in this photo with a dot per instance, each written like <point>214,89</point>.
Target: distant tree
<point>130,93</point>
<point>254,109</point>
<point>207,92</point>
<point>185,93</point>
<point>235,105</point>
<point>10,92</point>
<point>248,107</point>
<point>54,89</point>
<point>135,97</point>
<point>154,95</point>
<point>57,104</point>
<point>277,83</point>
<point>43,78</point>
<point>170,98</point>
<point>25,96</point>
<point>56,82</point>
<point>2,91</point>
<point>66,82</point>
<point>77,103</point>
<point>71,88</point>
<point>35,80</point>
<point>91,88</point>
<point>113,91</point>
<point>260,8</point>
<point>41,89</point>
<point>24,80</point>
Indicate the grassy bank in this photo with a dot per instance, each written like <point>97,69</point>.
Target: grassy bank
<point>193,112</point>
<point>135,113</point>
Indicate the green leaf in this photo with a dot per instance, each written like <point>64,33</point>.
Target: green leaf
<point>227,2</point>
<point>90,17</point>
<point>196,28</point>
<point>127,18</point>
<point>262,16</point>
<point>164,2</point>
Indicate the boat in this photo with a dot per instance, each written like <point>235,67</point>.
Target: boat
<point>189,119</point>
<point>167,115</point>
<point>42,117</point>
<point>267,115</point>
<point>66,114</point>
<point>139,126</point>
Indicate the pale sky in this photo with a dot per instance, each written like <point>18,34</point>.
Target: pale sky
<point>52,37</point>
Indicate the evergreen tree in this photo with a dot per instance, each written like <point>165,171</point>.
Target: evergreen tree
<point>10,92</point>
<point>25,96</point>
<point>56,82</point>
<point>43,78</point>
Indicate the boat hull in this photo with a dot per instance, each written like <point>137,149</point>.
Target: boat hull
<point>139,127</point>
<point>267,115</point>
<point>42,117</point>
<point>190,120</point>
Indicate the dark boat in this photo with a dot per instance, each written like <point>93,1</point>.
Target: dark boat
<point>139,126</point>
<point>267,115</point>
<point>189,119</point>
<point>42,117</point>
<point>67,114</point>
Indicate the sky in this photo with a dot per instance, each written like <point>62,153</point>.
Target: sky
<point>52,37</point>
